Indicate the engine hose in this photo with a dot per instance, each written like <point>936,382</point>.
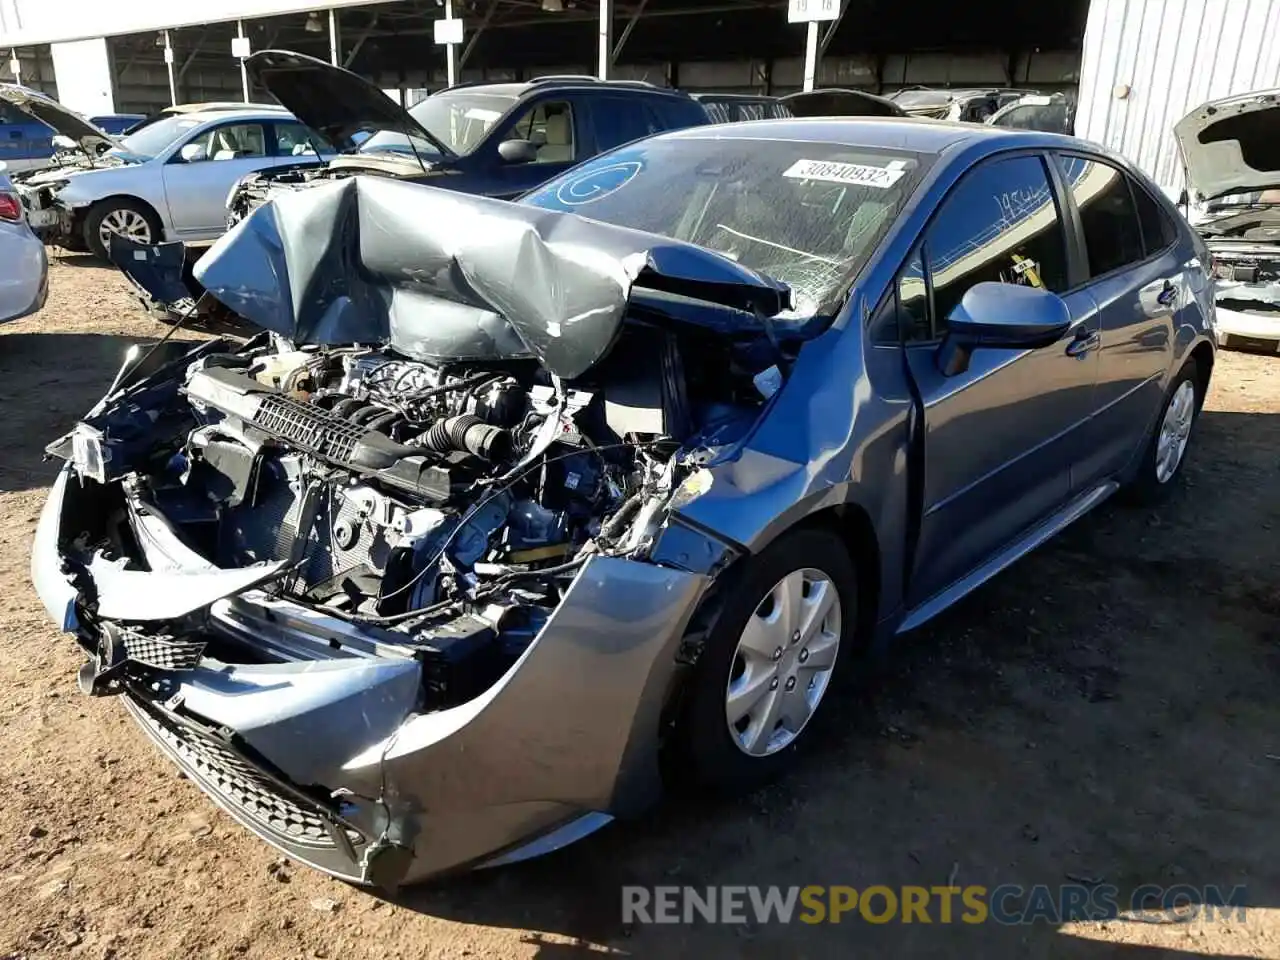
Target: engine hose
<point>614,525</point>
<point>344,408</point>
<point>382,423</point>
<point>366,415</point>
<point>471,434</point>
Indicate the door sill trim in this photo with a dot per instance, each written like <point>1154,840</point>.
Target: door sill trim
<point>1073,511</point>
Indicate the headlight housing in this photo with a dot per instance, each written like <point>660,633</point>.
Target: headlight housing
<point>89,454</point>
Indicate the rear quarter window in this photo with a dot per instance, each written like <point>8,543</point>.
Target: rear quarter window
<point>1158,230</point>
<point>1103,195</point>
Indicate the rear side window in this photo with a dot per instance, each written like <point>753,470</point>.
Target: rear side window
<point>619,120</point>
<point>1001,223</point>
<point>1112,233</point>
<point>11,114</point>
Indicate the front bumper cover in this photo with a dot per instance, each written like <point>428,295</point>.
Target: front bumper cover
<point>327,757</point>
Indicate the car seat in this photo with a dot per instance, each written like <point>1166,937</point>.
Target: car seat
<point>559,143</point>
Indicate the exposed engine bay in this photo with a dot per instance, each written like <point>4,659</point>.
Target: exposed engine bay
<point>258,188</point>
<point>443,507</point>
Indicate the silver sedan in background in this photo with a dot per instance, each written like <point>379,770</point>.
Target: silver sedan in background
<point>24,268</point>
<point>168,180</point>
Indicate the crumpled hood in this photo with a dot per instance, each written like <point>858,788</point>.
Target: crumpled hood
<point>441,275</point>
<point>1231,145</point>
<point>93,140</point>
<point>334,102</point>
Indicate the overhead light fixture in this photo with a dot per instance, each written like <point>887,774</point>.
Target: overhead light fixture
<point>313,24</point>
<point>553,6</point>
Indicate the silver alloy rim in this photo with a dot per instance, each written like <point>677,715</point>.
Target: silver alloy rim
<point>127,223</point>
<point>783,663</point>
<point>1175,431</point>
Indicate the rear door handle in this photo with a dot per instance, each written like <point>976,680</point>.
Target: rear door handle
<point>1168,294</point>
<point>1085,340</point>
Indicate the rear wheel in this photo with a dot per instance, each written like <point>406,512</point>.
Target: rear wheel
<point>1167,448</point>
<point>782,641</point>
<point>120,215</point>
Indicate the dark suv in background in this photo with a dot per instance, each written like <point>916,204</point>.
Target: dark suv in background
<point>495,139</point>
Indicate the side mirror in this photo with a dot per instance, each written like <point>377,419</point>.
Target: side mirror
<point>517,151</point>
<point>1001,316</point>
<point>193,153</point>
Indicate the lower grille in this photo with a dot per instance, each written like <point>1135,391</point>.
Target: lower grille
<point>163,653</point>
<point>242,786</point>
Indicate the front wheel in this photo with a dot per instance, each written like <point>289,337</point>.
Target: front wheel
<point>123,216</point>
<point>1166,450</point>
<point>782,640</point>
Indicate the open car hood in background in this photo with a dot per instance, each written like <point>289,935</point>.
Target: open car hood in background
<point>834,102</point>
<point>331,101</point>
<point>1232,145</point>
<point>440,275</point>
<point>51,113</point>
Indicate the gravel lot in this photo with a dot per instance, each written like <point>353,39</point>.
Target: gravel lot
<point>1107,709</point>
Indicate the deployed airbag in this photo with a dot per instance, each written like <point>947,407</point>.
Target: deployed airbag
<point>446,276</point>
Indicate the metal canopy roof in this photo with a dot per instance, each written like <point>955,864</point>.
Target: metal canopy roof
<point>516,31</point>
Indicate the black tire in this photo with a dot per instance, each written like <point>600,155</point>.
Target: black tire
<point>706,754</point>
<point>103,208</point>
<point>1146,487</point>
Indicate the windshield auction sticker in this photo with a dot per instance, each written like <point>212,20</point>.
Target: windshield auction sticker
<point>855,174</point>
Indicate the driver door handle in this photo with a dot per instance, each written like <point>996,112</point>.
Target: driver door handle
<point>1085,341</point>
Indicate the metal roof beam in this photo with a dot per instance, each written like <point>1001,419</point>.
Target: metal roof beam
<point>475,35</point>
<point>830,33</point>
<point>626,31</point>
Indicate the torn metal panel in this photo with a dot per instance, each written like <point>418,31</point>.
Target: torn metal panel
<point>446,276</point>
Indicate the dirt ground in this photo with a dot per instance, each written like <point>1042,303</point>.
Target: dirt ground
<point>1106,710</point>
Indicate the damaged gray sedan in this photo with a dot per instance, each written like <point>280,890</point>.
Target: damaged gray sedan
<point>512,509</point>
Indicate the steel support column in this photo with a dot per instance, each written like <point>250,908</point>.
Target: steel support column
<point>168,63</point>
<point>810,54</point>
<point>244,71</point>
<point>451,55</point>
<point>606,38</point>
<point>334,43</point>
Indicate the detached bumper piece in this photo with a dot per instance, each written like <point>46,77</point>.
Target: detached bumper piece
<point>260,800</point>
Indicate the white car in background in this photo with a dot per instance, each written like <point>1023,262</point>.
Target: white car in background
<point>1229,150</point>
<point>168,180</point>
<point>24,268</point>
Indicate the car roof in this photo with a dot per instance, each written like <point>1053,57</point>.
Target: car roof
<point>903,133</point>
<point>220,106</point>
<point>975,140</point>
<point>252,113</point>
<point>576,83</point>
